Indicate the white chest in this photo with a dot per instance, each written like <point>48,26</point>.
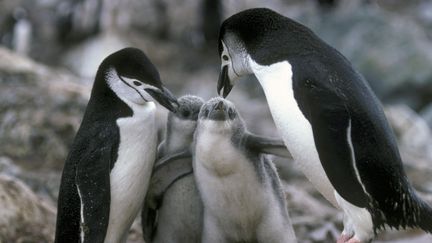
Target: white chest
<point>295,129</point>
<point>130,175</point>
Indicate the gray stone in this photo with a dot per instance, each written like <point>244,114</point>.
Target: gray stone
<point>40,111</point>
<point>24,216</point>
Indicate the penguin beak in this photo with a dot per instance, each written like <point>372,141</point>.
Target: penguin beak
<point>224,82</point>
<point>165,98</point>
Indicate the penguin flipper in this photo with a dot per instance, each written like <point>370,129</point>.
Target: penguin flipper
<point>93,183</point>
<point>331,127</point>
<point>68,209</point>
<point>267,145</point>
<point>168,170</point>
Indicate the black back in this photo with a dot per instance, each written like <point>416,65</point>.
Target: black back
<point>333,97</point>
<point>268,36</point>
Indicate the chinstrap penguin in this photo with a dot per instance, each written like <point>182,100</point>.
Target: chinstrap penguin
<point>239,186</point>
<point>329,118</point>
<point>173,209</point>
<point>109,165</point>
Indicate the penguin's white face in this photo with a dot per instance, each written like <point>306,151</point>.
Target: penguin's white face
<point>129,89</point>
<point>234,62</point>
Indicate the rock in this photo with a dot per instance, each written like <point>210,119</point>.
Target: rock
<point>426,113</point>
<point>85,58</point>
<point>388,48</point>
<point>412,130</point>
<point>24,217</point>
<point>8,167</point>
<point>40,111</point>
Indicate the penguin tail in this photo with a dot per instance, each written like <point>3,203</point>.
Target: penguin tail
<point>425,217</point>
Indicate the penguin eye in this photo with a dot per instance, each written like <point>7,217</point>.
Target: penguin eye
<point>137,83</point>
<point>231,114</point>
<point>185,113</point>
<point>225,57</point>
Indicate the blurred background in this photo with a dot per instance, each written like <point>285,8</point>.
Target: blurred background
<point>50,51</point>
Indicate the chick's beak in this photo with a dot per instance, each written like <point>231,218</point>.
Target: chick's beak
<point>165,98</point>
<point>224,82</point>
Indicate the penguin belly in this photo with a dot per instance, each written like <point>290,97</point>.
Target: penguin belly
<point>295,129</point>
<point>131,173</point>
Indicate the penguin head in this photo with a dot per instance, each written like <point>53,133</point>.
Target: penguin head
<point>219,115</point>
<point>189,107</point>
<point>260,35</point>
<point>234,62</point>
<point>183,122</point>
<point>132,77</point>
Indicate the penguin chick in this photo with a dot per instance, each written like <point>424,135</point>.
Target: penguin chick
<point>173,208</point>
<point>239,186</point>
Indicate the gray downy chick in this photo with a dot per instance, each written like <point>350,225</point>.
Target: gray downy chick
<point>239,186</point>
<point>173,208</point>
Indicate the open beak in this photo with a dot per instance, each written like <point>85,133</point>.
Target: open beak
<point>224,82</point>
<point>165,98</point>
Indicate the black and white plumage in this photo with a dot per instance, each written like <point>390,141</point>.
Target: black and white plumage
<point>239,186</point>
<point>109,165</point>
<point>173,209</point>
<point>329,118</point>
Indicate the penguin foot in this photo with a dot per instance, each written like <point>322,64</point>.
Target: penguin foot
<point>344,238</point>
<point>353,240</point>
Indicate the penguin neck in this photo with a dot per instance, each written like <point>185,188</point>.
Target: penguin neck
<point>179,134</point>
<point>104,103</point>
<point>276,81</point>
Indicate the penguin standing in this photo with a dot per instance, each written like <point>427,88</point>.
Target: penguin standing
<point>113,153</point>
<point>329,118</point>
<point>240,188</point>
<point>173,208</point>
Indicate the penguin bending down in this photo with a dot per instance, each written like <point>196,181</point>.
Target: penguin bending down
<point>113,153</point>
<point>330,120</point>
<point>173,209</point>
<point>240,188</point>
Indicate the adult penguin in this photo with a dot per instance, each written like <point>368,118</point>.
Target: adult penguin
<point>108,168</point>
<point>329,118</point>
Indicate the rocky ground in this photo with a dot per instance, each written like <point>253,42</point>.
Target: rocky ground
<point>42,103</point>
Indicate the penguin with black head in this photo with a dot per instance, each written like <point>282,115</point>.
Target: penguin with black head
<point>108,168</point>
<point>329,118</point>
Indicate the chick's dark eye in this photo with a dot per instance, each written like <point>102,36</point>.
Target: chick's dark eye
<point>137,83</point>
<point>225,57</point>
<point>206,112</point>
<point>185,113</point>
